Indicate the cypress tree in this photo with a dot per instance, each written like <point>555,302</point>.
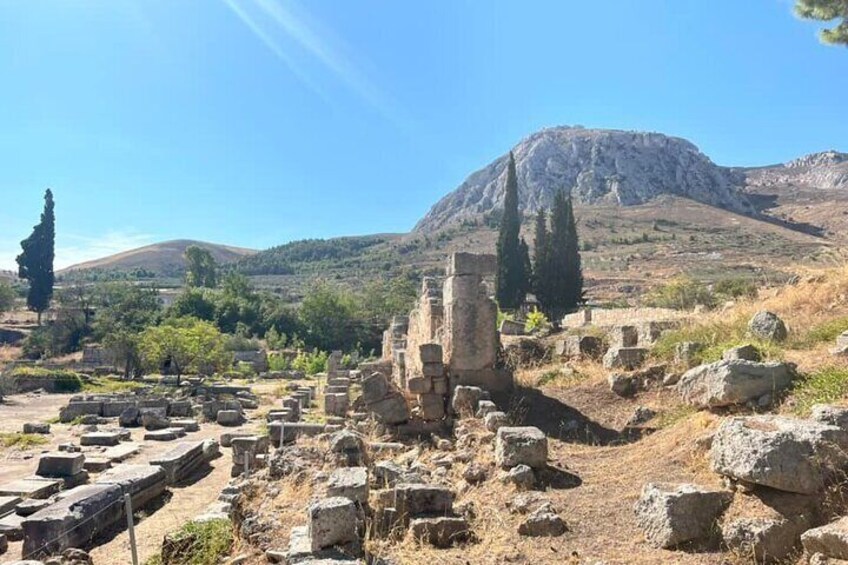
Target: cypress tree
<point>526,269</point>
<point>35,263</point>
<point>512,277</point>
<point>541,259</point>
<point>574,272</point>
<point>565,275</point>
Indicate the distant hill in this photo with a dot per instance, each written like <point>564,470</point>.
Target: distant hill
<point>161,259</point>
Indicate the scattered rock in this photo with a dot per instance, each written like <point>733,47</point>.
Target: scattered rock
<point>830,540</point>
<point>725,383</point>
<point>622,385</point>
<point>521,445</point>
<point>543,522</point>
<point>742,352</point>
<point>783,453</point>
<point>767,326</point>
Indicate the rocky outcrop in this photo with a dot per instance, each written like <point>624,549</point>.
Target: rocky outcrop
<point>783,453</point>
<point>598,167</point>
<point>826,170</point>
<point>725,383</point>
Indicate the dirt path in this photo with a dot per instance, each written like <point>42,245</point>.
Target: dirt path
<point>185,503</point>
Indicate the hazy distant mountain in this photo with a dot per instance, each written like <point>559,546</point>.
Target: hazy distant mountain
<point>599,167</point>
<point>826,170</point>
<point>166,258</point>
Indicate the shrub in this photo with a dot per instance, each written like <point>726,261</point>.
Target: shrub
<point>310,363</point>
<point>536,321</point>
<point>680,294</point>
<point>61,380</point>
<point>277,362</point>
<point>736,288</point>
<point>197,543</point>
<point>21,441</point>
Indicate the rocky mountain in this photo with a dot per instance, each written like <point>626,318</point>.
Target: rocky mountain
<point>826,170</point>
<point>166,258</point>
<point>599,167</point>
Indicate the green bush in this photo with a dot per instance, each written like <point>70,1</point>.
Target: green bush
<point>824,386</point>
<point>63,380</point>
<point>680,294</point>
<point>197,543</point>
<point>536,321</point>
<point>310,363</point>
<point>277,362</point>
<point>736,288</point>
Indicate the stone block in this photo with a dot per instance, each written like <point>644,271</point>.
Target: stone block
<point>390,410</point>
<point>114,408</point>
<point>142,482</point>
<point>479,264</point>
<point>336,404</point>
<point>349,482</point>
<point>485,407</point>
<point>432,406</point>
<point>179,462</point>
<point>670,515</point>
<point>431,370</point>
<point>168,434</point>
<point>430,353</point>
<point>80,408</point>
<point>291,431</point>
<point>495,421</point>
<point>57,465</point>
<point>33,487</point>
<point>466,398</point>
<point>187,424</point>
<point>525,445</point>
<point>36,428</point>
<point>512,327</point>
<point>412,500</point>
<point>100,438</point>
<point>8,504</point>
<point>419,385</point>
<point>69,522</point>
<point>627,358</point>
<point>228,418</point>
<point>332,521</point>
<point>440,531</point>
<point>440,385</point>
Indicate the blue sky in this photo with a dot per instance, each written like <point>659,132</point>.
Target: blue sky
<point>256,122</point>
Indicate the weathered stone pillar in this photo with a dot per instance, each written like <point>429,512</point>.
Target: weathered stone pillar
<point>470,338</point>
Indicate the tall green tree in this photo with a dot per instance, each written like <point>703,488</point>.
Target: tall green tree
<point>187,344</point>
<point>35,263</point>
<point>512,276</point>
<point>565,274</point>
<point>827,11</point>
<point>541,258</point>
<point>7,297</point>
<point>201,268</point>
<point>124,311</point>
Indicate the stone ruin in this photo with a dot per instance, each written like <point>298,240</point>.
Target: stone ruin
<point>449,339</point>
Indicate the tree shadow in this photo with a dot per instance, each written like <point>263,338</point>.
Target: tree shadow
<point>530,407</point>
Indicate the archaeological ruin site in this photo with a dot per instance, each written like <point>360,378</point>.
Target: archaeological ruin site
<point>381,282</point>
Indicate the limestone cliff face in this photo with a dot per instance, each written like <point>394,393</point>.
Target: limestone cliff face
<point>826,170</point>
<point>597,166</point>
